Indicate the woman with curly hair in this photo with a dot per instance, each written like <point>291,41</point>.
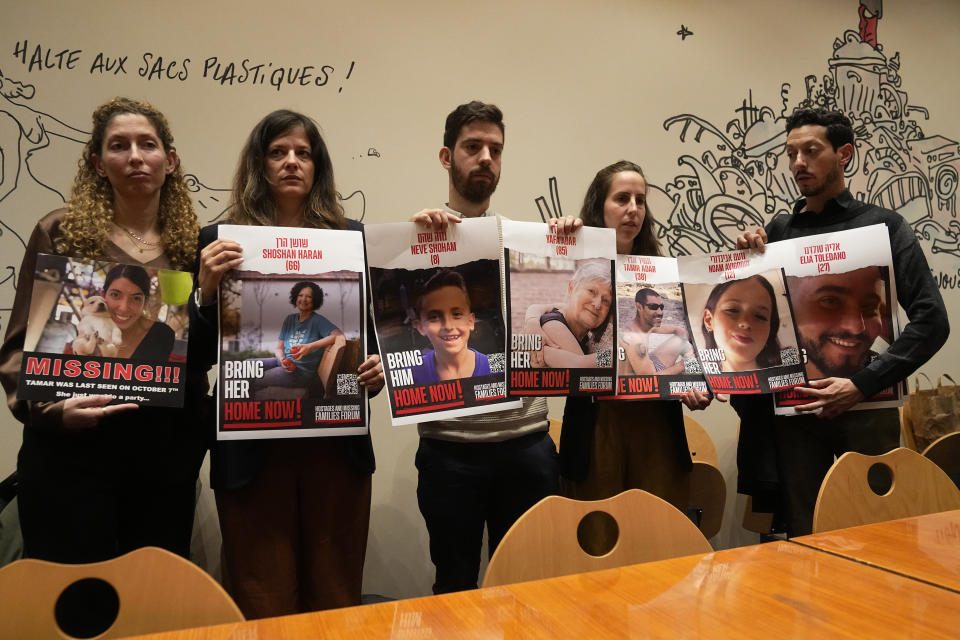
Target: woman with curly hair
<point>309,498</point>
<point>98,479</point>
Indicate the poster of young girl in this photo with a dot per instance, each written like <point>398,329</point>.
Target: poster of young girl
<point>438,318</point>
<point>742,322</point>
<point>655,357</point>
<point>843,294</point>
<point>106,327</point>
<point>293,333</point>
<point>561,313</point>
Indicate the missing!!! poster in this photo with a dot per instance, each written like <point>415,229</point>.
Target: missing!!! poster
<point>438,317</point>
<point>742,321</point>
<point>293,334</point>
<point>656,359</point>
<point>844,300</point>
<point>98,327</point>
<point>560,306</point>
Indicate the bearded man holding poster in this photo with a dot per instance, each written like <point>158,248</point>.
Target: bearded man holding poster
<point>782,467</point>
<point>484,469</point>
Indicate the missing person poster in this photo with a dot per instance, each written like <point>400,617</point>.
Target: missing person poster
<point>99,327</point>
<point>655,357</point>
<point>293,334</point>
<point>562,318</point>
<point>844,300</point>
<point>742,323</point>
<point>438,317</point>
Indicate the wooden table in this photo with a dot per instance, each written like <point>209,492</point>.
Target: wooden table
<point>767,591</point>
<point>925,548</point>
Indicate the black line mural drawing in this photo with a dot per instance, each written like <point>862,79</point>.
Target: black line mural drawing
<point>739,176</point>
<point>684,32</point>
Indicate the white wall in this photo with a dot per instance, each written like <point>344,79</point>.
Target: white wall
<point>581,84</point>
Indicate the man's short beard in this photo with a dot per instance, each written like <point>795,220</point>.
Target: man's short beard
<point>475,192</point>
<point>816,190</point>
<point>845,369</point>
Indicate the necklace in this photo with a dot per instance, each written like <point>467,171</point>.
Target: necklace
<point>137,239</point>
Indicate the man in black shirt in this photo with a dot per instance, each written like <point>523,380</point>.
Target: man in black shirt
<point>787,463</point>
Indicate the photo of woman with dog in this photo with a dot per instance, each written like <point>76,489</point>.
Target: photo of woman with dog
<point>309,497</point>
<point>107,310</point>
<point>98,479</point>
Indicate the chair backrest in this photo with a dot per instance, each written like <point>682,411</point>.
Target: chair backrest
<point>708,493</point>
<point>155,591</point>
<point>542,543</point>
<point>918,487</point>
<point>699,442</point>
<point>945,453</point>
<point>329,363</point>
<point>708,489</point>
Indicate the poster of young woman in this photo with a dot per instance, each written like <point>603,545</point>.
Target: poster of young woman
<point>293,333</point>
<point>655,357</point>
<point>104,327</point>
<point>562,318</point>
<point>844,300</point>
<point>742,322</point>
<point>438,317</point>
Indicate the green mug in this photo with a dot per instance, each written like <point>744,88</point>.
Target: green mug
<point>175,286</point>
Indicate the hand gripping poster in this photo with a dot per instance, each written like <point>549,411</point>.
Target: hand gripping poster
<point>844,300</point>
<point>655,356</point>
<point>438,317</point>
<point>293,334</point>
<point>561,309</point>
<point>98,327</point>
<point>742,323</point>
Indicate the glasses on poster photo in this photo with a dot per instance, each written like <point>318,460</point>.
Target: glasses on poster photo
<point>109,310</point>
<point>654,336</point>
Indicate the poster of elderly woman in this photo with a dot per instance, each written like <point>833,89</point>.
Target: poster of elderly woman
<point>561,309</point>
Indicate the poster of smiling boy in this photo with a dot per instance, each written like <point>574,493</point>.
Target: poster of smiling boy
<point>656,359</point>
<point>560,309</point>
<point>742,322</point>
<point>438,318</point>
<point>843,294</point>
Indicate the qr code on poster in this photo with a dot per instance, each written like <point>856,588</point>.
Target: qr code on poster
<point>692,365</point>
<point>790,356</point>
<point>347,384</point>
<point>604,359</point>
<point>496,362</point>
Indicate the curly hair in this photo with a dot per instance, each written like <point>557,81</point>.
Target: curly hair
<point>253,201</point>
<point>315,291</point>
<point>86,227</point>
<point>646,242</point>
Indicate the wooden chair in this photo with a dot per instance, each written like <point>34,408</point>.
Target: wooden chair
<point>918,487</point>
<point>155,591</point>
<point>542,543</point>
<point>555,426</point>
<point>699,442</point>
<point>708,489</point>
<point>945,453</point>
